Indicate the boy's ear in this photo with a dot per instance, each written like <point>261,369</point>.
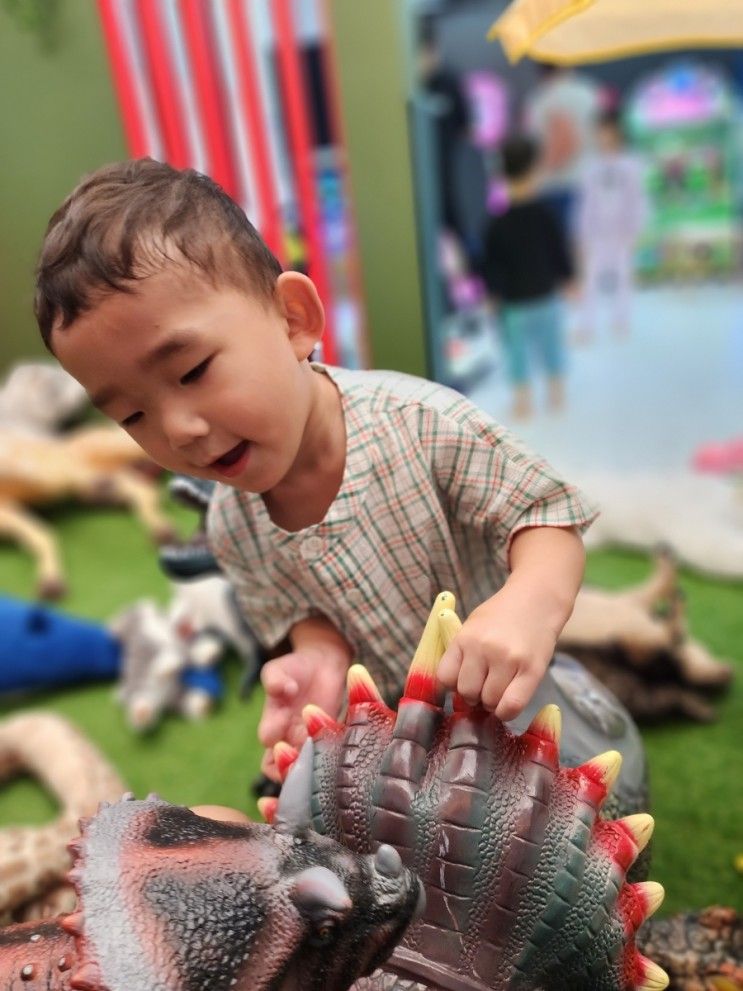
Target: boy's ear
<point>300,305</point>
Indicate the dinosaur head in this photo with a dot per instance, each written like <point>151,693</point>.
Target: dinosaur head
<point>173,900</point>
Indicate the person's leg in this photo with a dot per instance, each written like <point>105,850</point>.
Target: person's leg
<point>550,336</point>
<point>516,359</point>
<point>623,268</point>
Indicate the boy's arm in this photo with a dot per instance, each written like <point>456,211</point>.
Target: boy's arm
<point>502,651</point>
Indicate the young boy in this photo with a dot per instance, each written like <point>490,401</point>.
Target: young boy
<point>348,499</point>
<point>526,262</point>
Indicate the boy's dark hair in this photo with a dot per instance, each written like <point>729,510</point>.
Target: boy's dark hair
<point>129,220</point>
<point>519,156</point>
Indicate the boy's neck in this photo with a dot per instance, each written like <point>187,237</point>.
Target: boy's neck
<point>303,497</point>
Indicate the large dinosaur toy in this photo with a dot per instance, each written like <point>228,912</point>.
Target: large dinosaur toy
<point>525,881</point>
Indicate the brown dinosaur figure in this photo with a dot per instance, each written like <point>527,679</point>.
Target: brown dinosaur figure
<point>636,641</point>
<point>95,464</point>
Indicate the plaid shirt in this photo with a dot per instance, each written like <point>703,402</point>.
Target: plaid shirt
<point>433,492</point>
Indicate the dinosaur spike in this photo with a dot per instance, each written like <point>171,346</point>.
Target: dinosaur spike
<point>73,923</point>
<point>541,740</point>
<point>284,755</point>
<point>640,827</point>
<point>449,625</point>
<point>267,808</point>
<point>654,978</point>
<point>75,847</point>
<point>602,771</point>
<point>421,683</point>
<point>547,724</point>
<point>83,822</point>
<point>317,720</point>
<point>128,796</point>
<point>87,978</point>
<point>361,687</point>
<point>652,895</point>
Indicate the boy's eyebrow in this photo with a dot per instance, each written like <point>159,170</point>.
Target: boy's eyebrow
<point>178,341</point>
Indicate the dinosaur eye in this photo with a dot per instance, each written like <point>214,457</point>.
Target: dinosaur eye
<point>324,932</point>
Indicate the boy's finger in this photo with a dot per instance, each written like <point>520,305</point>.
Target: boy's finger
<point>471,678</point>
<point>276,681</point>
<point>274,724</point>
<point>268,766</point>
<point>449,665</point>
<point>496,683</point>
<point>517,695</point>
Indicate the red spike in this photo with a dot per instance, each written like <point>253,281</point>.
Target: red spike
<point>284,755</point>
<point>423,687</point>
<point>267,808</point>
<point>361,687</point>
<point>88,978</point>
<point>318,721</point>
<point>73,923</point>
<point>541,740</point>
<point>598,775</point>
<point>637,902</point>
<point>83,823</point>
<point>75,847</point>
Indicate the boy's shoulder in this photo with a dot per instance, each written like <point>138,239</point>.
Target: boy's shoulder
<point>389,393</point>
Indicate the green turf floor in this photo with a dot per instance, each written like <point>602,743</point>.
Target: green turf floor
<point>696,771</point>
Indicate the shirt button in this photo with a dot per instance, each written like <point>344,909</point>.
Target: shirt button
<point>312,548</point>
<point>354,594</point>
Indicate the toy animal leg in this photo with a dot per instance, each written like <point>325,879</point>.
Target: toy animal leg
<point>605,619</point>
<point>659,587</point>
<point>78,776</point>
<point>40,542</point>
<point>140,495</point>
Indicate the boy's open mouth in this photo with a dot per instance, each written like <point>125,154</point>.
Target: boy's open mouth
<point>232,461</point>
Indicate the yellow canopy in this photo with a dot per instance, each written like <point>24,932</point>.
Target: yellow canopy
<point>571,32</point>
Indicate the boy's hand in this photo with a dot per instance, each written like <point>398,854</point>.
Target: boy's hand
<point>310,674</point>
<point>500,655</point>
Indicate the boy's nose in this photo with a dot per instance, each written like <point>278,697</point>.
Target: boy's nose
<point>183,427</point>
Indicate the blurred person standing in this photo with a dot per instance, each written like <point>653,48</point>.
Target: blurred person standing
<point>526,263</point>
<point>611,214</point>
<point>560,114</point>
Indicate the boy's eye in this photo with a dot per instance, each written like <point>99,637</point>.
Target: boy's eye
<point>195,372</point>
<point>130,420</point>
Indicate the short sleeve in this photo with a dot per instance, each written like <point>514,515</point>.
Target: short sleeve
<point>268,593</point>
<point>490,483</point>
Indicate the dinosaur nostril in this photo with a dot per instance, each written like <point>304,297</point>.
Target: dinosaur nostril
<point>388,861</point>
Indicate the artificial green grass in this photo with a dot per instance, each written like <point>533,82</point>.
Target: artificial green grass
<point>696,771</point>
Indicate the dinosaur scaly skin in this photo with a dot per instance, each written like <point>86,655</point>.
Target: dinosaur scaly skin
<point>171,901</point>
<point>525,881</point>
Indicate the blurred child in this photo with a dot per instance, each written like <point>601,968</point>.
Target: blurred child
<point>348,500</point>
<point>527,262</point>
<point>612,211</point>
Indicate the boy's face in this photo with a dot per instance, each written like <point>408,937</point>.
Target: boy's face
<point>209,382</point>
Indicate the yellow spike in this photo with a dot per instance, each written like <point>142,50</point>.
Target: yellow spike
<point>449,625</point>
<point>654,894</point>
<point>655,977</point>
<point>547,723</point>
<point>430,649</point>
<point>641,825</point>
<point>608,766</point>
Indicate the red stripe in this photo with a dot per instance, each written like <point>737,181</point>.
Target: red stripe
<point>296,116</point>
<point>271,225</point>
<point>332,91</point>
<point>197,29</point>
<point>121,69</point>
<point>165,90</point>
